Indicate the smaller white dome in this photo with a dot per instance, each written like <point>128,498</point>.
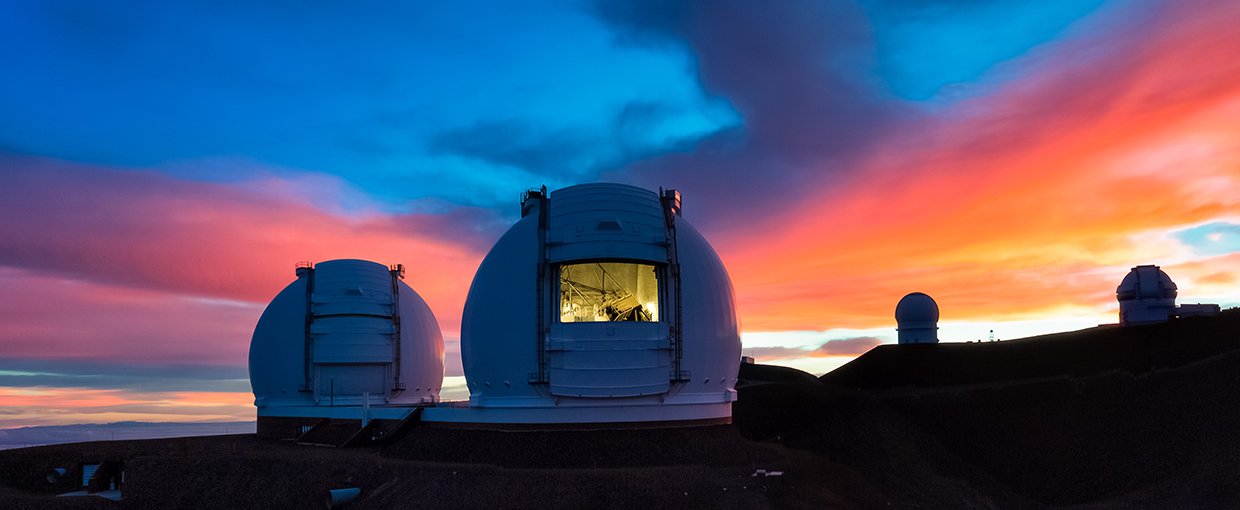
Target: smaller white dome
<point>917,319</point>
<point>345,329</point>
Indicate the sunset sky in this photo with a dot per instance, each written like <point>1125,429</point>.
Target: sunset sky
<point>163,166</point>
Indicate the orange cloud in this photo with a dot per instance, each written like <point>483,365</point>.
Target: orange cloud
<point>1212,276</point>
<point>210,399</point>
<point>63,406</point>
<point>62,397</point>
<point>1034,201</point>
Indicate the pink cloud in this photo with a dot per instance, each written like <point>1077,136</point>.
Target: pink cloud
<point>57,318</point>
<point>150,231</point>
<point>840,347</point>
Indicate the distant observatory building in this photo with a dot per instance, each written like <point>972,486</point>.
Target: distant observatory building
<point>601,305</point>
<point>917,319</point>
<point>1147,295</point>
<point>348,340</point>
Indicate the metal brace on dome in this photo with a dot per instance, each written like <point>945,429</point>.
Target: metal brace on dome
<point>307,269</point>
<point>671,209</point>
<point>529,199</point>
<point>398,273</point>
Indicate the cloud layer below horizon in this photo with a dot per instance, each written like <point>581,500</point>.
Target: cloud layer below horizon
<point>837,154</point>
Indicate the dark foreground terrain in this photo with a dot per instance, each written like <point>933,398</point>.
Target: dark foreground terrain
<point>1143,417</point>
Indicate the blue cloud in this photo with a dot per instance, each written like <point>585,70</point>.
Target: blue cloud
<point>26,373</point>
<point>361,91</point>
<point>926,46</point>
<point>1217,238</point>
<point>637,131</point>
<point>799,74</point>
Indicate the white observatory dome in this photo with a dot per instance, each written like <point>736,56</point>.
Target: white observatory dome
<point>917,319</point>
<point>601,305</point>
<point>1146,295</point>
<point>344,329</point>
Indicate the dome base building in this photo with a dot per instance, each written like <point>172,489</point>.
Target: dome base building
<point>540,416</point>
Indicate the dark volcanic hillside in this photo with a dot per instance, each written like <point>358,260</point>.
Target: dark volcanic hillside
<point>1102,418</point>
<point>1089,352</point>
<point>1165,439</point>
<point>1116,417</point>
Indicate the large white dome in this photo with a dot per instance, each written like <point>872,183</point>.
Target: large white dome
<point>1146,282</point>
<point>602,304</point>
<point>1146,294</point>
<point>343,329</point>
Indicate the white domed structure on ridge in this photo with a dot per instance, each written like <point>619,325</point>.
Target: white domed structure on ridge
<point>917,319</point>
<point>346,336</point>
<point>601,305</point>
<point>1147,295</point>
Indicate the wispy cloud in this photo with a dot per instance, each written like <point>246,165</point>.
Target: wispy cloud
<point>21,407</point>
<point>119,371</point>
<point>838,347</point>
